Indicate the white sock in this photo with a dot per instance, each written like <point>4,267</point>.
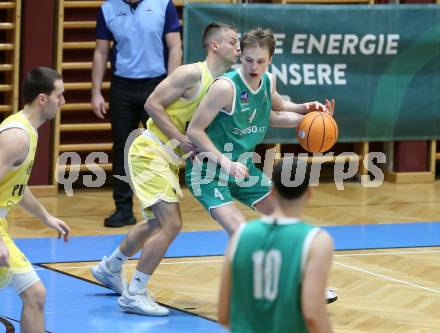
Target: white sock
<point>138,282</point>
<point>116,260</point>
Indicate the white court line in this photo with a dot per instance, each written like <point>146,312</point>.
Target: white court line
<point>386,277</point>
<point>131,265</point>
<point>335,262</point>
<point>221,260</point>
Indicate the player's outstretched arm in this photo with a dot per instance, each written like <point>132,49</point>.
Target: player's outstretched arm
<point>284,114</point>
<point>219,97</point>
<point>280,104</point>
<point>289,119</point>
<point>33,206</point>
<point>314,282</point>
<point>285,119</point>
<point>182,81</point>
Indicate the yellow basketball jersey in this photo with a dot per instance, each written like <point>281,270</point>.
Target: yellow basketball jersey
<point>14,182</point>
<point>182,110</point>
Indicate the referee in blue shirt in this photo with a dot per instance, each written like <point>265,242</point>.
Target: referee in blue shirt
<point>146,46</point>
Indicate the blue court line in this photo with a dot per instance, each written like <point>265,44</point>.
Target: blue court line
<point>210,243</point>
<point>74,305</point>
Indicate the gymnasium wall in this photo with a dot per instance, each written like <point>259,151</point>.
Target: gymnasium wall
<point>61,34</point>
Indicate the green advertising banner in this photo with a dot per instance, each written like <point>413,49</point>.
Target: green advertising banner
<point>380,63</point>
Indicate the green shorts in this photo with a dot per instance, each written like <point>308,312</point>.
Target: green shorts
<point>213,188</point>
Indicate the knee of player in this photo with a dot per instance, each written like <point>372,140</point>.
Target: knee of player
<point>35,296</point>
<point>176,228</point>
<point>172,228</point>
<point>235,227</point>
<point>233,224</point>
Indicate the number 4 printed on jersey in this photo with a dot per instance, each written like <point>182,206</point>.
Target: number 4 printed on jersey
<point>217,194</point>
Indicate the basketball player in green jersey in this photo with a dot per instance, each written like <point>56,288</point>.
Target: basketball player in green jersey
<point>230,121</point>
<point>43,96</point>
<point>276,267</point>
<point>154,161</point>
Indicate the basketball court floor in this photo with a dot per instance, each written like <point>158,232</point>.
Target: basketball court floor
<point>386,267</point>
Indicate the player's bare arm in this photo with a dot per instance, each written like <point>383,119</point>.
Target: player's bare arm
<point>314,283</point>
<point>284,114</point>
<point>285,119</point>
<point>33,206</point>
<point>183,82</point>
<point>309,106</point>
<point>219,97</point>
<point>14,146</point>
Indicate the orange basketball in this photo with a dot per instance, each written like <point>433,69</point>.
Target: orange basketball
<point>317,132</point>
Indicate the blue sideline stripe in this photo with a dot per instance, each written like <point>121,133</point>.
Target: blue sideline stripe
<point>74,306</point>
<point>91,248</point>
<point>209,243</point>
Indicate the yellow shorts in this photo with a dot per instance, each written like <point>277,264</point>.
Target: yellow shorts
<point>153,173</point>
<point>18,263</point>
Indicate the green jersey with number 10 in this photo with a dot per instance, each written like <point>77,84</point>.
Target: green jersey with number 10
<point>267,269</point>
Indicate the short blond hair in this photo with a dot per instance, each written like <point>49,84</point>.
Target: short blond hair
<point>260,37</point>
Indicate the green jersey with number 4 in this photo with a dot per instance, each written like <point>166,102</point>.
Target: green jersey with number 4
<point>267,268</point>
<point>246,124</point>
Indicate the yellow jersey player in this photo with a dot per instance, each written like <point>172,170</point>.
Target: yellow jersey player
<point>43,96</point>
<point>154,161</point>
